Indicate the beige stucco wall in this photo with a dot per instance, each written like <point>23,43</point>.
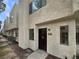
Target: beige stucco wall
<point>53,41</point>
<point>23,24</point>
<point>54,9</point>
<point>54,46</point>
<point>8,25</point>
<point>13,17</point>
<point>75,5</point>
<point>5,27</point>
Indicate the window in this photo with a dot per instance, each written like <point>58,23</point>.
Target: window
<point>74,56</point>
<point>64,35</point>
<point>11,19</point>
<point>31,34</point>
<point>35,5</point>
<point>17,18</point>
<point>16,32</point>
<point>77,57</point>
<point>77,35</point>
<point>65,57</point>
<point>30,8</point>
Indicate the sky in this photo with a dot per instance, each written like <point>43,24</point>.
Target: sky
<point>9,6</point>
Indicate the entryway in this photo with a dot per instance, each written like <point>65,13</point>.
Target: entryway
<point>43,39</point>
<point>40,54</point>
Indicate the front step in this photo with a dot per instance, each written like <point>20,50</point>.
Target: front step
<point>52,57</point>
<point>39,54</point>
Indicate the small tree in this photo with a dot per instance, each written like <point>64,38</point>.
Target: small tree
<point>2,6</point>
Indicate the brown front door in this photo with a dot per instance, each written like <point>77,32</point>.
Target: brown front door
<point>43,39</point>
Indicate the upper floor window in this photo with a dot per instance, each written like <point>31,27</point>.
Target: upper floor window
<point>35,5</point>
<point>64,35</point>
<point>11,19</point>
<point>16,32</point>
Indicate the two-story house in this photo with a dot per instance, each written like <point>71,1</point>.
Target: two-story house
<point>49,25</point>
<point>11,23</point>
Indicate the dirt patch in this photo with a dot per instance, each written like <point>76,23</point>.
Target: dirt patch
<point>6,51</point>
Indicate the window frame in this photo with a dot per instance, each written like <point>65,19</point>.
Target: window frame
<point>77,35</point>
<point>64,35</point>
<point>31,35</point>
<point>32,4</point>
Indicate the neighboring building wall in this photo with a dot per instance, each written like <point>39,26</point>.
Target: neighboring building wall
<point>46,13</point>
<point>11,23</point>
<point>6,25</point>
<point>13,17</point>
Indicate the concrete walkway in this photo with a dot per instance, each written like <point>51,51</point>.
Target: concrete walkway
<point>39,54</point>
